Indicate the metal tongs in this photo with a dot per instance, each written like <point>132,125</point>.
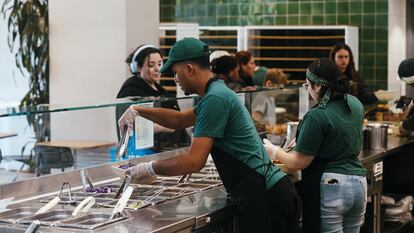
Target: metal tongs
<point>52,203</point>
<point>85,178</point>
<point>121,204</point>
<point>184,178</point>
<point>123,144</point>
<point>124,186</point>
<point>33,227</point>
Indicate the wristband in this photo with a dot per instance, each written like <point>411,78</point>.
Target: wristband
<point>150,169</point>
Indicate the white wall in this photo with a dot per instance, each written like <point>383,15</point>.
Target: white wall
<point>396,43</point>
<point>89,41</point>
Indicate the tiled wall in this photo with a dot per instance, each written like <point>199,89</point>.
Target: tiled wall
<point>370,16</point>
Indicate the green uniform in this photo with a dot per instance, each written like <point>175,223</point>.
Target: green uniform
<point>259,76</point>
<point>221,115</point>
<point>335,135</point>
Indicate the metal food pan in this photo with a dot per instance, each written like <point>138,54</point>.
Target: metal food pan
<point>89,221</point>
<point>195,186</point>
<point>50,217</point>
<point>63,200</point>
<point>164,183</point>
<point>206,182</point>
<point>14,215</point>
<point>105,195</point>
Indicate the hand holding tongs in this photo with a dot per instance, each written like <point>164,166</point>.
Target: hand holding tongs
<point>120,205</point>
<point>123,143</point>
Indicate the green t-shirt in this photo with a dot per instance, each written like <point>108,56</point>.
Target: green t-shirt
<point>259,76</point>
<point>335,135</point>
<point>221,115</point>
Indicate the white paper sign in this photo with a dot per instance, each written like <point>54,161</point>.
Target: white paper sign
<point>144,131</point>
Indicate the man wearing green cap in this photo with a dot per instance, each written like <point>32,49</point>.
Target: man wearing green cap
<point>266,199</point>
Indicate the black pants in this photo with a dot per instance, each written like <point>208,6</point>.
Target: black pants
<point>281,210</point>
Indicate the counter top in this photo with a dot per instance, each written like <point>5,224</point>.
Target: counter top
<point>394,145</point>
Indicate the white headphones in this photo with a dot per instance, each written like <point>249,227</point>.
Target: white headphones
<point>134,64</point>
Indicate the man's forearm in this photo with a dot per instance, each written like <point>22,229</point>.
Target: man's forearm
<point>167,117</point>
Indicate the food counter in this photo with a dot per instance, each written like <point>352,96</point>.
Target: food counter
<point>195,212</point>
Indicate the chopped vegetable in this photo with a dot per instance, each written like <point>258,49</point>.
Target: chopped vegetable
<point>126,166</point>
<point>99,189</point>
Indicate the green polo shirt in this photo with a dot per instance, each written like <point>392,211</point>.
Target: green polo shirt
<point>335,135</point>
<point>221,115</point>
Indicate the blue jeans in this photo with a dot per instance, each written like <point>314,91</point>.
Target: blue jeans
<point>343,202</point>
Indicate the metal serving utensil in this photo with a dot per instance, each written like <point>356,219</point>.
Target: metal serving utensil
<point>124,186</point>
<point>123,144</point>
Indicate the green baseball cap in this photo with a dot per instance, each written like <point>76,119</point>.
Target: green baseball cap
<point>185,49</point>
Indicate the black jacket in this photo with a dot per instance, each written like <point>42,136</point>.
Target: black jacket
<point>360,90</point>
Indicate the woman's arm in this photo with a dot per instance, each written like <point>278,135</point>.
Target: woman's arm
<point>294,160</point>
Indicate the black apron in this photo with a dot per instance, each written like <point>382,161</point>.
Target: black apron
<point>310,193</point>
<point>248,189</point>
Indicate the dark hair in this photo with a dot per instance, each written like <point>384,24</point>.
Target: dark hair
<point>223,65</point>
<point>142,55</point>
<point>350,69</point>
<point>326,69</point>
<point>243,57</point>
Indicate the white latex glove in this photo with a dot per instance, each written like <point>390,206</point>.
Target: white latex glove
<point>141,171</point>
<point>270,149</point>
<point>127,119</point>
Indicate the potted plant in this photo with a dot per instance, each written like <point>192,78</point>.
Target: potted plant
<point>28,40</point>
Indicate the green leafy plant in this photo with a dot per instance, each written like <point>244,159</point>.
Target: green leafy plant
<point>28,39</point>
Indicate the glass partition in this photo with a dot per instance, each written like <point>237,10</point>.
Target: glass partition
<point>40,140</point>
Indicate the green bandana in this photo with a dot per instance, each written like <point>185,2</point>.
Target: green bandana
<point>323,82</point>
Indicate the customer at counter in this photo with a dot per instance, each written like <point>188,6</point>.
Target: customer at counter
<point>406,73</point>
<point>266,200</point>
<point>342,55</point>
<point>247,67</point>
<point>145,64</point>
<point>328,141</point>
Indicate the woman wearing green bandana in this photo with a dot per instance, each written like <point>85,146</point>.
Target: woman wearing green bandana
<point>328,142</point>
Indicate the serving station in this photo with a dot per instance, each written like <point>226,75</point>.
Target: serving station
<point>55,189</point>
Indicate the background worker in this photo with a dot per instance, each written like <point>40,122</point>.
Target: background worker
<point>263,104</point>
<point>406,73</point>
<point>226,68</point>
<point>266,200</point>
<point>343,57</point>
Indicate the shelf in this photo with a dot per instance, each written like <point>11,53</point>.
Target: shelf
<point>292,47</point>
<point>297,37</point>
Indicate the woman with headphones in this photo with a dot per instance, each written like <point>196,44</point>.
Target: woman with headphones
<point>145,64</point>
